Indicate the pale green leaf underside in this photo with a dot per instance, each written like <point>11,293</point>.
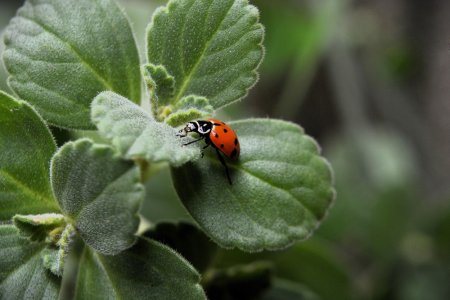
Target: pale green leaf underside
<point>136,134</point>
<point>282,188</point>
<point>37,227</point>
<point>100,192</point>
<point>26,147</point>
<point>148,270</point>
<point>62,53</point>
<point>22,274</point>
<point>211,47</point>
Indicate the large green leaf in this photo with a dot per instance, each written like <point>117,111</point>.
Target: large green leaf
<point>282,188</point>
<point>22,274</point>
<point>148,270</point>
<point>211,47</point>
<point>26,147</point>
<point>62,53</point>
<point>100,192</point>
<point>136,134</point>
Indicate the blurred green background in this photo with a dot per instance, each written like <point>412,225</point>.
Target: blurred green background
<point>370,80</point>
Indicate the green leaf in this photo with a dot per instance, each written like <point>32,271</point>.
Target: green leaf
<point>211,47</point>
<point>54,257</point>
<point>22,274</point>
<point>187,240</point>
<point>282,188</point>
<point>136,134</point>
<point>148,270</point>
<point>100,192</point>
<point>38,227</point>
<point>189,108</point>
<point>26,147</point>
<point>62,53</point>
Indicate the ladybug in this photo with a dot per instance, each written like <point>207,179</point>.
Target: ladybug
<point>217,134</point>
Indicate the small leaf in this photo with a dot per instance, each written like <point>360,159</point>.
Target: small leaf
<point>212,48</point>
<point>54,257</point>
<point>282,188</point>
<point>22,274</point>
<point>62,53</point>
<point>160,83</point>
<point>38,227</point>
<point>100,192</point>
<point>189,108</point>
<point>148,270</point>
<point>26,147</point>
<point>136,134</point>
<point>187,240</point>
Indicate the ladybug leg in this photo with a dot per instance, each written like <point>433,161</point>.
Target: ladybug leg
<point>191,142</point>
<point>222,161</point>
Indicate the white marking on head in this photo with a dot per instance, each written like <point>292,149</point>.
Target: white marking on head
<point>203,129</point>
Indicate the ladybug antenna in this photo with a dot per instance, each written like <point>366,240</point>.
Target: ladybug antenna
<point>225,165</point>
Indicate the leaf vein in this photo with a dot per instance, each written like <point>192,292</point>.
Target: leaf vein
<point>187,79</point>
<point>279,188</point>
<point>73,49</point>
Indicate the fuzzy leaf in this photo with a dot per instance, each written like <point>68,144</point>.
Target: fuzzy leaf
<point>160,83</point>
<point>282,188</point>
<point>22,274</point>
<point>62,53</point>
<point>38,227</point>
<point>211,47</point>
<point>189,108</point>
<point>100,192</point>
<point>136,134</point>
<point>148,270</point>
<point>26,147</point>
<point>54,257</point>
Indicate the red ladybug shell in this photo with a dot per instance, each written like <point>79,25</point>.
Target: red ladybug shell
<point>224,139</point>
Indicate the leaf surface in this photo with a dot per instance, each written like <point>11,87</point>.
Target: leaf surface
<point>22,274</point>
<point>26,147</point>
<point>212,48</point>
<point>282,188</point>
<point>60,54</point>
<point>148,270</point>
<point>100,192</point>
<point>136,134</point>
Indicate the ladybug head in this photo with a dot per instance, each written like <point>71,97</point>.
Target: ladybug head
<point>201,127</point>
<point>190,127</point>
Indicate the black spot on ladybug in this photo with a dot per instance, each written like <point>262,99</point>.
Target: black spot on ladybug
<point>217,124</point>
<point>236,142</point>
<point>234,153</point>
<point>216,135</point>
<point>225,130</point>
<point>222,145</point>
